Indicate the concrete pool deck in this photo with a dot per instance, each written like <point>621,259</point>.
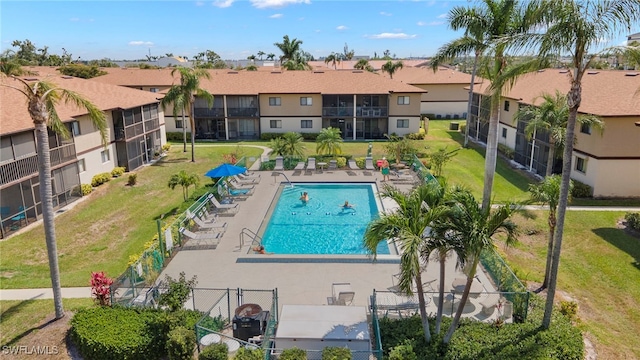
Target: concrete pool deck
<point>298,282</point>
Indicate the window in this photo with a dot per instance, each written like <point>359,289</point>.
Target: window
<point>403,123</point>
<point>153,89</point>
<point>275,124</point>
<point>403,100</point>
<point>178,124</point>
<point>74,128</point>
<point>105,156</point>
<point>306,124</point>
<point>504,133</point>
<point>581,165</point>
<point>506,105</point>
<point>82,167</point>
<point>274,101</point>
<point>306,101</point>
<point>585,129</point>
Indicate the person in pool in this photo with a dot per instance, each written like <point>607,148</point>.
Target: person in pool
<point>346,205</point>
<point>304,197</point>
<point>260,250</point>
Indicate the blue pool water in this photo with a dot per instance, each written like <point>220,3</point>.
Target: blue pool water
<point>322,226</point>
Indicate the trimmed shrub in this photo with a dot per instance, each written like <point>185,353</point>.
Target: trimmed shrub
<point>416,136</point>
<point>86,189</point>
<point>180,343</point>
<point>249,354</point>
<point>268,165</point>
<point>463,128</point>
<point>118,171</point>
<point>341,161</point>
<point>336,353</point>
<point>100,179</point>
<point>177,136</point>
<point>633,220</point>
<point>506,151</point>
<point>269,136</point>
<point>293,354</point>
<point>403,352</point>
<point>310,136</point>
<point>133,179</point>
<point>581,190</point>
<point>215,352</point>
<point>569,309</point>
<point>166,147</point>
<point>360,161</point>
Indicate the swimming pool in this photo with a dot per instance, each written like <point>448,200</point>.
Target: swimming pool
<point>322,225</point>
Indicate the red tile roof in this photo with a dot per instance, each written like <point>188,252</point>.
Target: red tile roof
<point>426,76</point>
<point>604,92</point>
<point>14,116</point>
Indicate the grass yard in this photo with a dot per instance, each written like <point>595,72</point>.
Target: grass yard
<point>114,222</point>
<point>599,269</point>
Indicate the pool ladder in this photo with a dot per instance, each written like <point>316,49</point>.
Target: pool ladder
<point>255,239</point>
<point>283,174</point>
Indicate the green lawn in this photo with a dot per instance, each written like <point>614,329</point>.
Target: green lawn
<point>114,222</point>
<point>21,317</point>
<point>599,268</point>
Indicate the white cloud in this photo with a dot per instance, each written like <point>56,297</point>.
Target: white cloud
<point>74,19</point>
<point>263,4</point>
<point>199,3</point>
<point>140,43</point>
<point>436,23</point>
<point>341,27</point>
<point>276,16</point>
<point>421,23</point>
<point>391,36</point>
<point>442,16</point>
<point>385,13</point>
<point>223,3</point>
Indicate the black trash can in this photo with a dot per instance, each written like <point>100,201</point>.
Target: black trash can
<point>454,126</point>
<point>249,321</point>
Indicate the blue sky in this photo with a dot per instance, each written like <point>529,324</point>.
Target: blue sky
<point>234,29</point>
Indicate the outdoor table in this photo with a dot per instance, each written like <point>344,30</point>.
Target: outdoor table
<point>322,165</point>
<point>232,345</point>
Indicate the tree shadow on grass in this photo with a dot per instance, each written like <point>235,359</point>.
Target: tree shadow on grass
<point>623,241</point>
<point>173,160</point>
<point>16,309</point>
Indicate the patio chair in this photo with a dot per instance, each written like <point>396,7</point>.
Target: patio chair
<point>236,186</point>
<point>401,177</point>
<point>311,163</point>
<point>333,165</point>
<point>200,235</point>
<point>299,166</point>
<point>223,207</point>
<point>241,181</point>
<point>279,164</point>
<point>248,176</point>
<point>353,165</point>
<point>368,164</point>
<point>208,225</point>
<point>341,294</point>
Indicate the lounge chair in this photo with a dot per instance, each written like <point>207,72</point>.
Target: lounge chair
<point>208,224</point>
<point>353,165</point>
<point>333,165</point>
<point>200,235</point>
<point>223,207</point>
<point>299,166</point>
<point>311,163</point>
<point>236,186</point>
<point>368,164</point>
<point>279,164</point>
<point>244,181</point>
<point>341,294</point>
<point>248,176</point>
<point>400,177</point>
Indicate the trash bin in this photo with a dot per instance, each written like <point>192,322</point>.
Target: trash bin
<point>454,126</point>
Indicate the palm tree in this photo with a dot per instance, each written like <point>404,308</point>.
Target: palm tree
<point>271,56</point>
<point>391,67</point>
<point>261,54</point>
<point>347,54</point>
<point>10,67</point>
<point>551,115</point>
<point>294,144</point>
<point>333,59</point>
<point>288,47</point>
<point>573,28</point>
<point>328,141</point>
<point>363,64</point>
<point>185,180</point>
<point>183,97</point>
<point>474,22</point>
<point>278,146</point>
<point>43,97</point>
<point>475,226</point>
<point>299,61</point>
<point>407,227</point>
<point>548,193</point>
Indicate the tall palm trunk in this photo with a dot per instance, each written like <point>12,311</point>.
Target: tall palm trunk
<point>551,220</point>
<point>573,99</point>
<point>473,80</point>
<point>46,195</point>
<point>184,133</point>
<point>443,259</point>
<point>192,124</point>
<point>423,310</point>
<point>551,158</point>
<point>463,300</point>
<point>491,154</point>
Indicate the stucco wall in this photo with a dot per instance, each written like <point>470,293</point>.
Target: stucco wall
<point>290,124</point>
<point>290,105</point>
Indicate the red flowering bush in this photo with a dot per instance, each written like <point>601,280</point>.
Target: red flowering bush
<point>230,158</point>
<point>101,288</point>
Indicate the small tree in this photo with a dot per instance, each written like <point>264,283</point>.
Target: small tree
<point>185,180</point>
<point>440,158</point>
<point>178,291</point>
<point>398,147</point>
<point>101,288</point>
<point>180,343</point>
<point>391,67</point>
<point>328,141</point>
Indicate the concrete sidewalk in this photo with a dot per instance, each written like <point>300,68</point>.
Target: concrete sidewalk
<point>44,293</point>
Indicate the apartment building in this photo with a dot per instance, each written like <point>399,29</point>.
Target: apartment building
<point>135,133</point>
<point>608,162</point>
<point>248,103</point>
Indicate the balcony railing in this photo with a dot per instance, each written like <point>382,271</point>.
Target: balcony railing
<point>243,111</point>
<point>62,154</point>
<point>370,111</point>
<point>204,112</point>
<point>18,169</point>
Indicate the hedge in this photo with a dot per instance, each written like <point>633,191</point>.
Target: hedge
<point>100,179</point>
<point>293,354</point>
<point>177,136</point>
<point>336,353</point>
<point>581,190</point>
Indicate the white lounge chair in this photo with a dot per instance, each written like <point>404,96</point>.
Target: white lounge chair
<point>236,186</point>
<point>341,294</point>
<point>333,165</point>
<point>401,177</point>
<point>200,235</point>
<point>299,166</point>
<point>223,207</point>
<point>245,181</point>
<point>247,176</point>
<point>212,225</point>
<point>311,163</point>
<point>368,164</point>
<point>353,165</point>
<point>279,164</point>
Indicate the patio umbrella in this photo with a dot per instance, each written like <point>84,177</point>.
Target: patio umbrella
<point>225,170</point>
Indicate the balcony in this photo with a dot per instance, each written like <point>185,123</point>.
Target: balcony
<point>62,154</point>
<point>205,112</point>
<point>18,169</point>
<point>243,111</point>
<point>337,111</point>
